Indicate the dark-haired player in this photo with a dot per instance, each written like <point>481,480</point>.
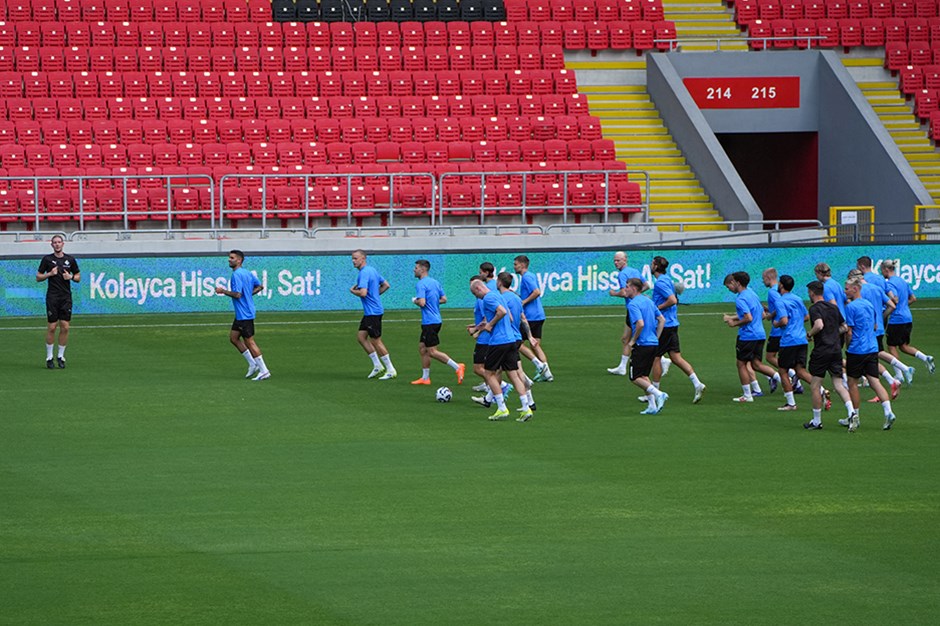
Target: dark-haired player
<point>61,270</point>
<point>826,328</point>
<point>242,287</point>
<point>749,347</point>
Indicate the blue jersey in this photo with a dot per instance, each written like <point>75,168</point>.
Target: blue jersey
<point>502,330</point>
<point>879,300</point>
<point>662,290</point>
<point>244,282</point>
<point>748,302</point>
<point>833,292</point>
<point>641,307</point>
<point>876,279</point>
<point>513,304</point>
<point>626,274</point>
<point>484,337</point>
<point>370,280</point>
<point>773,306</point>
<point>431,290</point>
<point>902,291</point>
<point>860,317</point>
<point>534,311</point>
<point>794,333</point>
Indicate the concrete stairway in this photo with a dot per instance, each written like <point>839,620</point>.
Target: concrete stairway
<point>897,116</point>
<point>629,118</point>
<point>704,19</point>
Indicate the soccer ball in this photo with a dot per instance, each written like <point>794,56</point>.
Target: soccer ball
<point>679,287</point>
<point>444,394</point>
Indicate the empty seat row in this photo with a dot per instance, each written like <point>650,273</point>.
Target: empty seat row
<point>886,30</point>
<point>899,54</point>
<point>283,84</point>
<point>747,11</point>
<point>382,10</point>
<point>21,110</point>
<point>269,34</point>
<point>584,10</point>
<point>135,10</point>
<point>805,33</point>
<point>130,59</point>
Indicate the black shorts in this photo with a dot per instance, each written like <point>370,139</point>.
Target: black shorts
<point>899,334</point>
<point>858,365</point>
<point>429,335</point>
<point>372,324</point>
<point>502,356</point>
<point>535,329</point>
<point>668,341</point>
<point>479,353</point>
<point>881,343</point>
<point>245,328</point>
<point>58,309</point>
<point>641,361</point>
<point>791,356</point>
<point>821,363</point>
<point>748,351</point>
<point>773,344</point>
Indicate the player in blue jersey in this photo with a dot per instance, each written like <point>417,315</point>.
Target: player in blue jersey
<point>901,322</point>
<point>646,326</point>
<point>488,276</point>
<point>883,307</point>
<point>861,353</point>
<point>749,347</point>
<point>790,318</point>
<point>771,312</point>
<point>531,297</point>
<point>520,326</point>
<point>666,301</point>
<point>833,291</point>
<point>369,288</point>
<point>624,273</point>
<point>864,264</point>
<point>242,288</point>
<point>429,296</point>
<point>502,354</point>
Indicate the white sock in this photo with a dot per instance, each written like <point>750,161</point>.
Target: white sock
<point>651,394</point>
<point>426,373</point>
<point>259,360</point>
<point>695,381</point>
<point>249,358</point>
<point>387,362</point>
<point>655,383</point>
<point>886,405</point>
<point>538,364</point>
<point>623,361</point>
<point>888,377</point>
<point>920,355</point>
<point>899,370</point>
<point>817,416</point>
<point>524,400</point>
<point>61,352</point>
<point>489,395</point>
<point>755,387</point>
<point>500,402</point>
<point>776,376</point>
<point>791,372</point>
<point>849,409</point>
<point>453,364</point>
<point>49,347</point>
<point>530,398</point>
<point>747,390</point>
<point>375,360</point>
<point>788,396</point>
<point>897,365</point>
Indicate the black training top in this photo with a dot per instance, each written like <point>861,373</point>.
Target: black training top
<point>828,340</point>
<point>58,286</point>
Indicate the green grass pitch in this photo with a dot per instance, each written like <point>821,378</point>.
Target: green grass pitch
<point>150,483</point>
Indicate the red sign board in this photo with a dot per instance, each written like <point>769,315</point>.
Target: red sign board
<point>748,92</point>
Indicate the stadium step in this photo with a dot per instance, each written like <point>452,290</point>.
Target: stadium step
<point>629,118</point>
<point>897,116</point>
<point>702,23</point>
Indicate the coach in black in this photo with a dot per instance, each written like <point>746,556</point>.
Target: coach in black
<point>61,270</point>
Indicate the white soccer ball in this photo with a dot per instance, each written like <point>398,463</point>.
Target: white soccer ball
<point>444,394</point>
<point>679,287</point>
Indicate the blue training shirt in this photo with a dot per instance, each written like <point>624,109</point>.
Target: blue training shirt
<point>626,274</point>
<point>662,290</point>
<point>773,306</point>
<point>748,302</point>
<point>860,317</point>
<point>484,337</point>
<point>502,330</point>
<point>513,304</point>
<point>901,290</point>
<point>876,279</point>
<point>534,311</point>
<point>641,307</point>
<point>794,333</point>
<point>430,289</point>
<point>370,279</point>
<point>879,300</point>
<point>833,292</point>
<point>244,282</point>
